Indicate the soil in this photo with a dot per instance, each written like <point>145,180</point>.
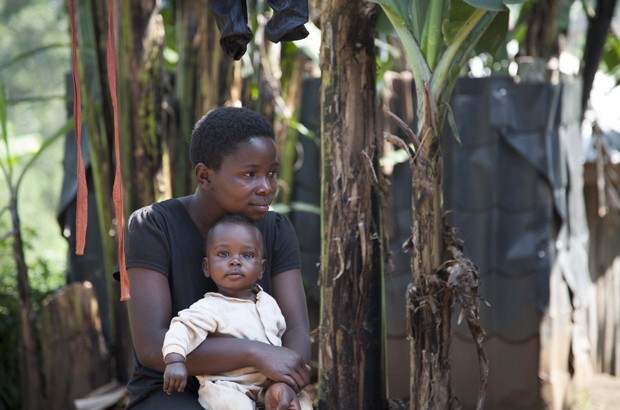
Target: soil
<point>602,393</point>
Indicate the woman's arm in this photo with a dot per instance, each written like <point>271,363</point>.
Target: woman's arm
<point>149,312</point>
<point>149,318</point>
<point>288,291</point>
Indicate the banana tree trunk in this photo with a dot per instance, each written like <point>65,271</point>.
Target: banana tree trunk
<point>350,347</point>
<point>441,276</point>
<point>202,83</point>
<point>139,69</point>
<point>92,25</point>
<point>429,300</point>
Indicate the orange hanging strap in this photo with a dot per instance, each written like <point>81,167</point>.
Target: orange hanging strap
<point>117,190</point>
<point>81,214</point>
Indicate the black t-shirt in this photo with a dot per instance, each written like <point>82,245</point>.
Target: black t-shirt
<point>163,237</point>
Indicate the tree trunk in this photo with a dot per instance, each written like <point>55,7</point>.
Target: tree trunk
<point>91,23</point>
<point>29,364</point>
<point>441,275</point>
<point>139,48</point>
<point>429,300</point>
<point>201,84</point>
<point>351,339</point>
<point>598,30</point>
<point>541,36</point>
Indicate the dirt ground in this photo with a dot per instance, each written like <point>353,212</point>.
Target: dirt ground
<point>602,393</point>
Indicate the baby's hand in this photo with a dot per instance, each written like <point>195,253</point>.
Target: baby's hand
<point>175,377</point>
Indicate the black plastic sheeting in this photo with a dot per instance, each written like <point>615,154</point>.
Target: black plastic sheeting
<point>307,190</point>
<point>499,188</point>
<point>509,188</point>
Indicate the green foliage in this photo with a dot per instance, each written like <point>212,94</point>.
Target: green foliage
<point>611,57</point>
<point>438,38</point>
<point>34,58</point>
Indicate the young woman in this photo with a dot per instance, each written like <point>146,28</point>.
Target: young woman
<point>235,164</point>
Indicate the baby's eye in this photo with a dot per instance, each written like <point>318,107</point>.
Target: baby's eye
<point>222,254</point>
<point>248,255</point>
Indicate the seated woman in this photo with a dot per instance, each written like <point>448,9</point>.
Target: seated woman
<point>233,153</point>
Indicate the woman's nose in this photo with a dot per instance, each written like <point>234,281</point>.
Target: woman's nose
<point>265,186</point>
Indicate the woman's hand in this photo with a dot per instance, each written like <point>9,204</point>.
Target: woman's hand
<point>280,396</point>
<point>283,365</point>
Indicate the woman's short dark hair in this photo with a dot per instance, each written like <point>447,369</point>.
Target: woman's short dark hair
<point>219,132</point>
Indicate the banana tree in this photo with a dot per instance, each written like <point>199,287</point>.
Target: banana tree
<point>438,37</point>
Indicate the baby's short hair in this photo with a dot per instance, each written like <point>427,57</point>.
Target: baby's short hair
<point>237,219</point>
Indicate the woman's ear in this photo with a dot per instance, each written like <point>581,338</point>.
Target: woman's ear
<point>202,173</point>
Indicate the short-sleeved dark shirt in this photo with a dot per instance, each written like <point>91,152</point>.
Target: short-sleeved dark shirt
<point>164,238</point>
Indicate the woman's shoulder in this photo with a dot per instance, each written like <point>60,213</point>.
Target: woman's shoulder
<point>167,205</point>
<point>273,219</point>
<point>157,210</point>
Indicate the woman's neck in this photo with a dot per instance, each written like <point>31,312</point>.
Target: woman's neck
<point>197,206</point>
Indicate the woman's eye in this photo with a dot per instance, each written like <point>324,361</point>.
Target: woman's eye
<point>249,174</point>
<point>272,174</point>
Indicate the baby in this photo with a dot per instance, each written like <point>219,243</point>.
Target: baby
<point>240,308</point>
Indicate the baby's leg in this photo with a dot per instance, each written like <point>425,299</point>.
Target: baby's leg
<point>224,396</point>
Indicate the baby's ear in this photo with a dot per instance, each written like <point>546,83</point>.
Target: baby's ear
<point>263,263</point>
<point>205,266</point>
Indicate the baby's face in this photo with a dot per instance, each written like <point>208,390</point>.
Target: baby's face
<point>234,258</point>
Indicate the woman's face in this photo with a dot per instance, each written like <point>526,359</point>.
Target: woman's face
<point>246,183</point>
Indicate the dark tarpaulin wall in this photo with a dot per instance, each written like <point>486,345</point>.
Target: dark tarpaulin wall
<point>306,190</point>
<point>515,190</point>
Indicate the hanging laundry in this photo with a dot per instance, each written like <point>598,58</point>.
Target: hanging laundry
<point>231,17</point>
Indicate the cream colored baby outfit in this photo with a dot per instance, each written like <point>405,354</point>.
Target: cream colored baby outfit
<point>216,315</point>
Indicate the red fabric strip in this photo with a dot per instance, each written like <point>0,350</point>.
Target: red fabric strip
<point>81,214</point>
<point>117,189</point>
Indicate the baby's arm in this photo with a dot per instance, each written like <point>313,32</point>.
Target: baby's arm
<point>186,332</point>
<point>175,376</point>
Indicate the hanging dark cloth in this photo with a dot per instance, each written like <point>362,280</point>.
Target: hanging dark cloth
<point>231,17</point>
